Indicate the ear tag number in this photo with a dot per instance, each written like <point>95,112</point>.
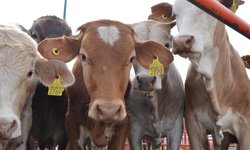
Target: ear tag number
<point>156,68</point>
<point>234,7</point>
<point>56,88</point>
<point>55,51</point>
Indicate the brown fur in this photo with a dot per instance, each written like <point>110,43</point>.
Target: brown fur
<point>246,60</point>
<point>161,12</point>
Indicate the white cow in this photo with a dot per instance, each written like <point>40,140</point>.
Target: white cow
<point>21,67</point>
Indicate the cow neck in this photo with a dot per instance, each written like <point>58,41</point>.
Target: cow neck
<point>230,75</point>
<point>228,70</point>
<point>150,98</point>
<point>162,94</point>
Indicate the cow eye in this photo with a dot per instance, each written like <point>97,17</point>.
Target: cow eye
<point>167,45</point>
<point>132,59</point>
<point>34,36</point>
<point>30,73</point>
<point>164,16</point>
<point>83,57</point>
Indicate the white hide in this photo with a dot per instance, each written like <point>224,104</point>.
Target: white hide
<point>231,122</point>
<point>152,30</point>
<point>15,47</point>
<point>190,20</point>
<point>109,34</point>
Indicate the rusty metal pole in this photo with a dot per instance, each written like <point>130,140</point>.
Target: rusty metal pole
<point>217,10</point>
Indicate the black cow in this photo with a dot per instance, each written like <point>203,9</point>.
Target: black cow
<point>48,126</point>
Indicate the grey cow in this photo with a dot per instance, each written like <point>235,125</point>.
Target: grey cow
<point>156,103</point>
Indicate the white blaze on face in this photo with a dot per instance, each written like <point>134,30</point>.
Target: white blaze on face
<point>109,34</point>
<point>193,21</point>
<point>17,59</point>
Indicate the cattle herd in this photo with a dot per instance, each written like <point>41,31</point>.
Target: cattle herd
<point>97,105</point>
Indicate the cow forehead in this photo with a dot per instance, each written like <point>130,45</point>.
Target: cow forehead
<point>112,41</point>
<point>152,30</point>
<point>17,53</point>
<point>109,34</point>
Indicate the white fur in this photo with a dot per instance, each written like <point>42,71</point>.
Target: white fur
<point>152,30</point>
<point>17,57</point>
<point>189,22</point>
<point>109,34</point>
<point>231,122</point>
<point>84,134</point>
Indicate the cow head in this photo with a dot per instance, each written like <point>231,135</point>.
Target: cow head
<point>49,27</point>
<point>157,31</point>
<point>153,30</point>
<point>199,33</point>
<point>106,49</point>
<point>21,64</point>
<point>162,12</point>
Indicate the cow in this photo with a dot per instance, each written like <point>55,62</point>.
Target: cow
<point>216,84</point>
<point>162,12</point>
<point>156,103</point>
<point>105,50</point>
<point>48,116</point>
<point>22,67</point>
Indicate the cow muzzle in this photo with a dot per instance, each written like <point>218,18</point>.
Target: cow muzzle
<point>182,44</point>
<point>7,128</point>
<point>107,111</point>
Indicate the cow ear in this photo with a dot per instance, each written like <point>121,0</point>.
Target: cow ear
<point>62,48</point>
<point>246,60</point>
<point>47,70</point>
<point>161,12</point>
<point>146,52</point>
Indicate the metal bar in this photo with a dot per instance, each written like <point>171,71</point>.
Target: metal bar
<point>65,9</point>
<point>217,10</point>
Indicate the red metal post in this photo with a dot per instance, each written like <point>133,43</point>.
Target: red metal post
<point>217,10</point>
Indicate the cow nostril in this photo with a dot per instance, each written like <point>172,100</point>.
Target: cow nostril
<point>167,45</point>
<point>189,40</point>
<point>108,112</point>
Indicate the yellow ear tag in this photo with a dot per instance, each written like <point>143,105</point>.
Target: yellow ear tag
<point>56,88</point>
<point>156,68</point>
<point>164,16</point>
<point>234,7</point>
<point>55,51</point>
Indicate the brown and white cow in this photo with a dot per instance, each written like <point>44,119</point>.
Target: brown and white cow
<point>105,50</point>
<point>217,86</point>
<point>22,68</point>
<point>48,112</point>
